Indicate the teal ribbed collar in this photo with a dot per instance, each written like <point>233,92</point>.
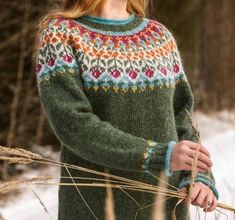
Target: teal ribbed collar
<point>131,25</point>
<point>102,20</point>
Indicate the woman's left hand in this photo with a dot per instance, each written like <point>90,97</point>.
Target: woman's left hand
<point>203,196</point>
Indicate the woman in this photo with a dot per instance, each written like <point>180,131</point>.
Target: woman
<point>115,93</point>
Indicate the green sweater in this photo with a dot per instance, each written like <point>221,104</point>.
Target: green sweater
<point>115,94</point>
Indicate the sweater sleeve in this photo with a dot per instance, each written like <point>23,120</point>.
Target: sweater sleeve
<point>70,114</point>
<point>183,107</point>
<point>183,103</point>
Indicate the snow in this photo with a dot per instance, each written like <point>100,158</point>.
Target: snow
<point>27,207</point>
<point>217,134</point>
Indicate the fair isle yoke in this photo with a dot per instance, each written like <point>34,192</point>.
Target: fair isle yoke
<point>116,96</point>
<point>114,60</point>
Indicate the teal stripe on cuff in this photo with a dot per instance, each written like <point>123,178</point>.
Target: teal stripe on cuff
<point>200,179</point>
<point>168,171</point>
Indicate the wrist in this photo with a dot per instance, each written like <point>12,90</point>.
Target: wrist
<point>200,178</point>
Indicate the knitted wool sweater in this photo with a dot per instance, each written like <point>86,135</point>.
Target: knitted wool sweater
<point>116,96</point>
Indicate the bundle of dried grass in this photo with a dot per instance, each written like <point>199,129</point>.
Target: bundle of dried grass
<point>18,155</point>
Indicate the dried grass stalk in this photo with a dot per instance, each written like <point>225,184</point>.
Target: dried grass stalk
<point>159,208</point>
<point>19,152</point>
<point>18,160</point>
<point>15,184</point>
<point>109,202</point>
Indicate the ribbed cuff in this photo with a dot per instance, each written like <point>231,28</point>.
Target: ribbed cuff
<point>200,178</point>
<point>168,171</point>
<point>157,157</point>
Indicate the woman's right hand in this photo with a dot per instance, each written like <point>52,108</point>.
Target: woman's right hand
<point>183,156</point>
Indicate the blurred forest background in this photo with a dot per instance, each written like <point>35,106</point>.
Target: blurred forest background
<point>204,30</point>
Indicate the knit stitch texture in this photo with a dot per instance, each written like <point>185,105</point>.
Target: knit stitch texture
<point>115,94</point>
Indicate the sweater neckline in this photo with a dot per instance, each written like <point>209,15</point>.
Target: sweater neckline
<point>113,27</point>
<point>102,20</point>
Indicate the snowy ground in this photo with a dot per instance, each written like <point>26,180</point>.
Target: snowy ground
<point>218,135</point>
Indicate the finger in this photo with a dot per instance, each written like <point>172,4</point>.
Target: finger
<point>189,167</point>
<point>213,205</point>
<point>195,146</point>
<point>184,190</point>
<point>201,197</point>
<point>208,202</point>
<point>204,150</point>
<point>194,192</point>
<point>202,157</point>
<point>200,165</point>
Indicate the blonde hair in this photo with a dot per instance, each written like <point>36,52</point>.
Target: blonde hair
<point>76,8</point>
